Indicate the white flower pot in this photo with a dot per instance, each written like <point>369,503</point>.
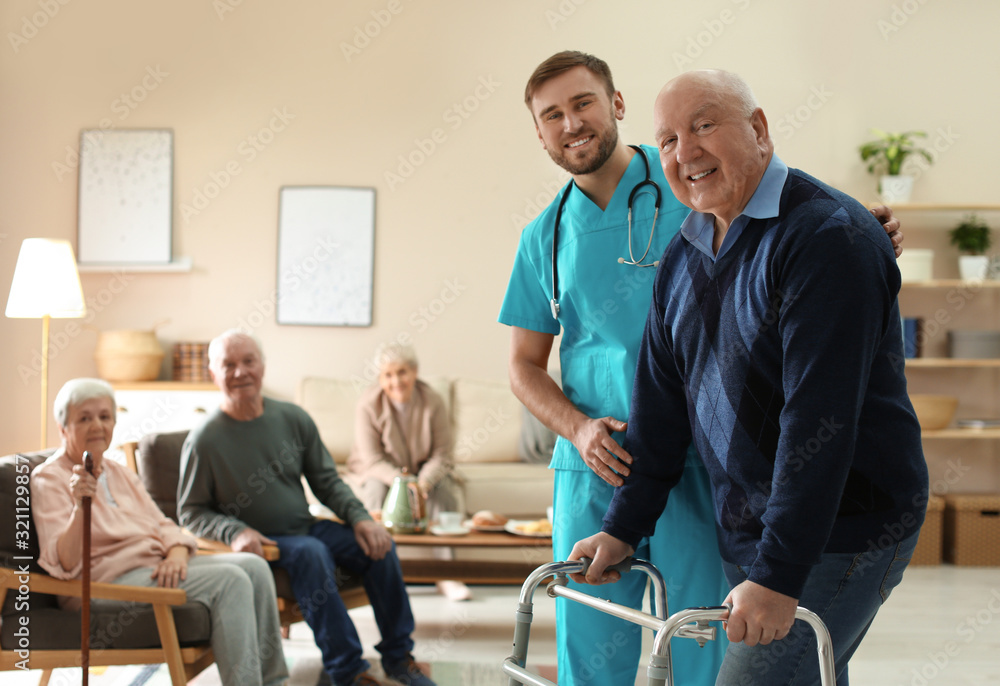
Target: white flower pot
<point>895,189</point>
<point>973,267</point>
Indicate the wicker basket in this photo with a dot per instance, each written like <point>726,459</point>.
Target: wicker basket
<point>128,355</point>
<point>929,545</point>
<point>972,530</point>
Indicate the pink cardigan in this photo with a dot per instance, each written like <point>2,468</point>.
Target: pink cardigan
<point>380,450</point>
<point>133,534</point>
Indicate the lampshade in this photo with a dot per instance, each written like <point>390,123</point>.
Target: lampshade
<point>46,282</point>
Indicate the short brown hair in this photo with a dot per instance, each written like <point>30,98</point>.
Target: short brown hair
<point>562,62</point>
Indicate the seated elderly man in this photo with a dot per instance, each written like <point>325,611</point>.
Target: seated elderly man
<point>241,483</point>
<point>771,343</point>
<point>402,424</point>
<point>135,544</point>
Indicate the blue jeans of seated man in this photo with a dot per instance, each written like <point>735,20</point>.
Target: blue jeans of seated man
<point>311,562</point>
<point>846,590</point>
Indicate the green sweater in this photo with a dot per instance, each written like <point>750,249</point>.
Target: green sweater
<point>236,474</point>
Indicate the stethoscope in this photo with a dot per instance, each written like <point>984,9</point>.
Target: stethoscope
<point>554,302</point>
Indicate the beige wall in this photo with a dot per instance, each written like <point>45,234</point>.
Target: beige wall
<point>215,72</point>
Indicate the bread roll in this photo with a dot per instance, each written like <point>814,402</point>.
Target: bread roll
<point>488,518</point>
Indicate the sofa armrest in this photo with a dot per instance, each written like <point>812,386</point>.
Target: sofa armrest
<point>207,546</point>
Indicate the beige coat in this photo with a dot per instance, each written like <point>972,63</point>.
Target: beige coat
<point>380,451</point>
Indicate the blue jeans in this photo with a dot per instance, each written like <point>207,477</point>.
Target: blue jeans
<point>846,590</point>
<point>311,562</point>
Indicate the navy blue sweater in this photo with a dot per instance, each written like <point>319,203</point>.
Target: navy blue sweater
<point>782,362</point>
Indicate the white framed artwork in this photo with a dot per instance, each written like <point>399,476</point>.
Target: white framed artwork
<point>125,197</point>
<point>326,255</point>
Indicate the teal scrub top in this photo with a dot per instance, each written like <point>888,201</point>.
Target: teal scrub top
<point>603,304</point>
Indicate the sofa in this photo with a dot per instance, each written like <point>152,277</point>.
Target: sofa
<point>501,451</point>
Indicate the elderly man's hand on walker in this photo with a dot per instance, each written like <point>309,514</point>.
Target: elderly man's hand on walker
<point>604,550</point>
<point>759,615</point>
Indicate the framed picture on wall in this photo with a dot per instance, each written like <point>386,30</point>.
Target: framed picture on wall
<point>326,255</point>
<point>125,197</point>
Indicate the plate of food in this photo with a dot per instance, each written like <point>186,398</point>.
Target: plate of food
<point>538,528</point>
<point>485,520</point>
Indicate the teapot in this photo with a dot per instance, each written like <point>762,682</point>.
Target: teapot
<point>403,511</point>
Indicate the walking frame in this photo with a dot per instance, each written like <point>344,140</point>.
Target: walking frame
<point>692,623</point>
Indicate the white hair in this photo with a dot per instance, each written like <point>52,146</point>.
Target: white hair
<point>215,347</point>
<point>76,391</point>
<point>395,352</point>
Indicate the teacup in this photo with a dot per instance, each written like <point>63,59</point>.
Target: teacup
<point>450,520</point>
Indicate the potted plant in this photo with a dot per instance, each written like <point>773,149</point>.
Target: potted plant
<point>886,154</point>
<point>972,237</point>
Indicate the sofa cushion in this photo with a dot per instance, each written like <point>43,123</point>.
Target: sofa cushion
<point>487,419</point>
<point>331,404</point>
<point>113,625</point>
<point>159,467</point>
<point>517,490</point>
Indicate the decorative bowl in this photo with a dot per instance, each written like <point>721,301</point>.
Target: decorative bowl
<point>934,411</point>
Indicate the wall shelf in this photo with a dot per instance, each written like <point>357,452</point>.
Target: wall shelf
<point>950,363</point>
<point>944,207</point>
<point>962,433</point>
<point>181,264</point>
<point>952,283</point>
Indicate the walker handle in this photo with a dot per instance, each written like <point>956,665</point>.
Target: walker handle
<point>622,567</point>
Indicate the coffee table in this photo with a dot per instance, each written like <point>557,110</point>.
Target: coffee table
<point>526,554</point>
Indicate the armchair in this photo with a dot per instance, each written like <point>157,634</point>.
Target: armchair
<point>156,459</point>
<point>128,624</point>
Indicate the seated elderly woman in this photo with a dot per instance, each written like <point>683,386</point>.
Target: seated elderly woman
<point>403,424</point>
<point>134,543</point>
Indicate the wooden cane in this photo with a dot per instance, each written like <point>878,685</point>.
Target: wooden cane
<point>88,464</point>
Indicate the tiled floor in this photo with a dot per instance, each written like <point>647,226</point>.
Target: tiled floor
<point>941,627</point>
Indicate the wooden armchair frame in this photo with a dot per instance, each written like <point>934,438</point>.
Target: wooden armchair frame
<point>183,663</point>
<point>289,611</point>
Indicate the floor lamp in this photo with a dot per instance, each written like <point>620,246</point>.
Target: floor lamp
<point>46,284</point>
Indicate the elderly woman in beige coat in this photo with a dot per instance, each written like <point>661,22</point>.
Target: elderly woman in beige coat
<point>403,424</point>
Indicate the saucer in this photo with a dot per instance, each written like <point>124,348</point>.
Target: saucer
<point>441,531</point>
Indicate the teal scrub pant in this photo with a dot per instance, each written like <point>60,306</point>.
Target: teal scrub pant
<point>596,648</point>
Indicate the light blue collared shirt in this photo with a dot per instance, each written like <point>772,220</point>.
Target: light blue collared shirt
<point>699,228</point>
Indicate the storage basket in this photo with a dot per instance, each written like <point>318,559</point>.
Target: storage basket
<point>128,355</point>
<point>930,544</point>
<point>972,530</point>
